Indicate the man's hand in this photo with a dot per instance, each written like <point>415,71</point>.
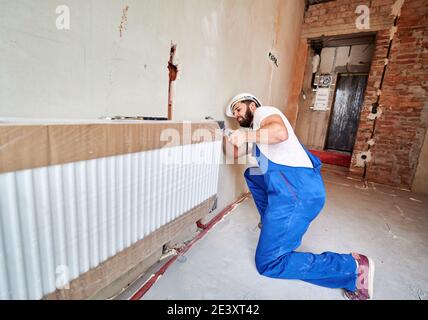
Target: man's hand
<point>238,138</point>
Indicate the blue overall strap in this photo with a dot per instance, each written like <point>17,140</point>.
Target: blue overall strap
<point>288,200</point>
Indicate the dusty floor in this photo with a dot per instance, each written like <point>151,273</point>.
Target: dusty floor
<point>388,224</point>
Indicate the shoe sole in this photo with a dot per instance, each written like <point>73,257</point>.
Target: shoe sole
<point>371,280</point>
<point>371,277</point>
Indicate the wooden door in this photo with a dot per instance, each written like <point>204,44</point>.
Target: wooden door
<point>345,115</point>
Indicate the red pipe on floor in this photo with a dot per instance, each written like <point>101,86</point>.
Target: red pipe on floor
<point>218,217</point>
<point>205,228</point>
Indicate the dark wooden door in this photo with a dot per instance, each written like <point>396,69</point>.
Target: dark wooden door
<point>345,115</point>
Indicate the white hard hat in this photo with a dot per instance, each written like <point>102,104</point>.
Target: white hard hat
<point>238,98</point>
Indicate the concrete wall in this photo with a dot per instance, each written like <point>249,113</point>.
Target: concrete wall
<point>93,71</point>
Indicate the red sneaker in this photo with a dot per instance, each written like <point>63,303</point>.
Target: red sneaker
<point>365,278</point>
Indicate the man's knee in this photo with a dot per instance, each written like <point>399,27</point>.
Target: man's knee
<point>268,266</point>
<point>247,174</point>
<point>260,266</point>
<point>264,264</point>
<point>253,178</point>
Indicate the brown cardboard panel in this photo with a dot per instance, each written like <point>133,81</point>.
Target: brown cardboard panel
<point>76,142</point>
<point>115,286</point>
<point>31,146</point>
<point>23,147</point>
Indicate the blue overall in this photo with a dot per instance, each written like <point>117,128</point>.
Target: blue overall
<point>288,199</point>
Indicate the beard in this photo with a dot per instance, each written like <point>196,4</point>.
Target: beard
<point>247,120</point>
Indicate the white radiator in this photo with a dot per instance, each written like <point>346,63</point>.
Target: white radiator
<point>58,222</point>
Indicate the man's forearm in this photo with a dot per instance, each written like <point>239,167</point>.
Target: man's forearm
<point>271,133</point>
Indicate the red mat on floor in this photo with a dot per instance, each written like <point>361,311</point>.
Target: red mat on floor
<point>338,159</point>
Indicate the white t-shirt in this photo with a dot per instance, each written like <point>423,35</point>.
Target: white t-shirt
<point>289,152</point>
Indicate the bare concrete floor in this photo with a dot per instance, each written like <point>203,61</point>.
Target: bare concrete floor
<point>388,224</point>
